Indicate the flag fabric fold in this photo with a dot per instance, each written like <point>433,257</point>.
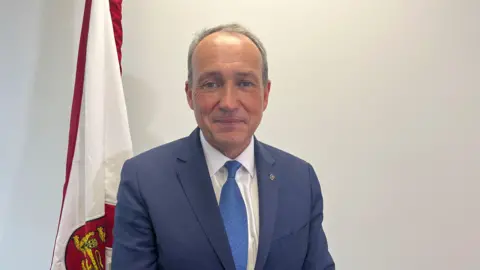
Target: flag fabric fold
<point>99,143</point>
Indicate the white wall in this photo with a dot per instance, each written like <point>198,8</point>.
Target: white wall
<point>382,97</point>
<point>37,58</point>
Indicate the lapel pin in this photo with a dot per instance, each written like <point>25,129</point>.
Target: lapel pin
<point>272,177</point>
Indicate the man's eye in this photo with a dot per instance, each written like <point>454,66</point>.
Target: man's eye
<point>245,84</point>
<point>209,85</point>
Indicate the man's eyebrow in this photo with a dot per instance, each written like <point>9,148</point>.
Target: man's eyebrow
<point>246,74</point>
<point>205,75</point>
<point>249,74</point>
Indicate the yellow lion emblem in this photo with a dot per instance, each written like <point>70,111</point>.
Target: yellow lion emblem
<point>87,245</point>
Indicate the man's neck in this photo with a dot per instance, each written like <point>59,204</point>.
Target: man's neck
<point>230,151</point>
<point>234,152</point>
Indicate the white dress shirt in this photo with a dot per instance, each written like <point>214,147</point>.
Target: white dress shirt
<point>246,178</point>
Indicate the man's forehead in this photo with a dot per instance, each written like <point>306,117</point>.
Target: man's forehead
<point>225,41</point>
<point>225,38</point>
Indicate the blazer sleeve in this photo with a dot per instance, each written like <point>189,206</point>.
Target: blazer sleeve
<point>318,256</point>
<point>133,236</point>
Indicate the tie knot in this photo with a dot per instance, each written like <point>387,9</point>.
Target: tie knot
<point>232,167</point>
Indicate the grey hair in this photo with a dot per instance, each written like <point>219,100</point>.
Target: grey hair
<point>229,28</point>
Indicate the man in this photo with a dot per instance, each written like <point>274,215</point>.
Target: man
<point>219,198</point>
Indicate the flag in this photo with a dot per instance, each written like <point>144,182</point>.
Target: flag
<point>99,143</point>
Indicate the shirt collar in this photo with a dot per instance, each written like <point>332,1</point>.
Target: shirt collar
<point>216,160</point>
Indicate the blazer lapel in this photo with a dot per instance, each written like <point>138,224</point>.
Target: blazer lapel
<point>268,198</point>
<point>193,175</point>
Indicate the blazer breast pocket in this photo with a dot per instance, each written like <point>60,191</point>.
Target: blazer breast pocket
<point>289,251</point>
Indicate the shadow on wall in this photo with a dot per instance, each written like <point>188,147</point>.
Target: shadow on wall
<point>31,221</point>
<point>141,107</point>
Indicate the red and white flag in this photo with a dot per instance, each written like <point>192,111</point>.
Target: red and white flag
<point>99,143</point>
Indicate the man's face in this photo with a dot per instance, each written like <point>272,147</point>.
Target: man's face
<point>227,93</point>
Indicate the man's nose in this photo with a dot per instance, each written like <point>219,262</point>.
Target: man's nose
<point>229,99</point>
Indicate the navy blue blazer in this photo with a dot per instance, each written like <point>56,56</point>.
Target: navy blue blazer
<point>167,216</point>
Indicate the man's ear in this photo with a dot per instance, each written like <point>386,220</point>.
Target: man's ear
<point>188,92</point>
<point>266,94</point>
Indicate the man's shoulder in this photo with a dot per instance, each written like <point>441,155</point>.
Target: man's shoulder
<point>283,157</point>
<point>164,154</point>
<point>297,170</point>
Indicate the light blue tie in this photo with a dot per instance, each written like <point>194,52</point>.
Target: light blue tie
<point>234,214</point>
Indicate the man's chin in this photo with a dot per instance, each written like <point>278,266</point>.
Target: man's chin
<point>230,138</point>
